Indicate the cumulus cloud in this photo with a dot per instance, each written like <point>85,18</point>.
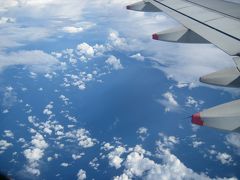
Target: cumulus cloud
<point>191,102</point>
<point>35,153</point>
<point>224,158</point>
<point>37,60</point>
<point>116,41</point>
<point>114,157</point>
<point>142,133</point>
<point>8,133</point>
<point>169,102</point>
<point>94,163</point>
<point>9,97</point>
<point>77,156</point>
<point>196,144</point>
<point>81,175</point>
<point>139,165</point>
<point>114,62</point>
<point>65,164</point>
<point>4,145</point>
<point>85,51</point>
<point>233,139</point>
<point>48,110</point>
<point>64,99</point>
<point>83,137</point>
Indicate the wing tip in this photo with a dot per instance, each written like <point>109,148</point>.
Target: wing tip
<point>196,119</point>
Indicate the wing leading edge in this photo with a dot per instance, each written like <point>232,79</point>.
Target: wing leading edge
<point>216,22</point>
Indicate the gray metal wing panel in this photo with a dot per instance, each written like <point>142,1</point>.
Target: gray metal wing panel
<point>228,8</point>
<point>225,39</point>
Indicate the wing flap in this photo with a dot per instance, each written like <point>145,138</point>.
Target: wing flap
<point>176,4</point>
<point>200,14</point>
<point>225,24</point>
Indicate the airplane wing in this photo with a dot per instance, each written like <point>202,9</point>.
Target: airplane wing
<point>205,21</point>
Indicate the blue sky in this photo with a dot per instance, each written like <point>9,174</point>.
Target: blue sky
<point>85,89</point>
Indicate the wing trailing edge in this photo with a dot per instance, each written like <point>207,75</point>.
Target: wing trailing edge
<point>143,6</point>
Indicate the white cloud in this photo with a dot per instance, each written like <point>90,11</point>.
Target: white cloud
<point>65,164</point>
<point>85,51</point>
<point>9,97</point>
<point>142,133</point>
<point>94,163</point>
<point>138,57</point>
<point>169,102</point>
<point>224,158</point>
<point>114,157</point>
<point>48,110</point>
<point>114,62</point>
<point>81,174</point>
<point>197,143</point>
<point>234,140</point>
<point>72,29</point>
<point>5,20</point>
<point>107,146</point>
<point>191,102</point>
<point>37,60</point>
<point>35,153</point>
<point>77,156</point>
<point>39,142</point>
<point>4,145</point>
<point>64,99</point>
<point>79,27</point>
<point>116,41</point>
<point>83,137</point>
<point>8,133</point>
<point>139,165</point>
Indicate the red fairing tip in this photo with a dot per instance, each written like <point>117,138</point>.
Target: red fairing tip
<point>196,119</point>
<point>155,36</point>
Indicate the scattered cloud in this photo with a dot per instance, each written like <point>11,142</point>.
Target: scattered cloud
<point>224,158</point>
<point>114,62</point>
<point>35,153</point>
<point>142,133</point>
<point>81,175</point>
<point>196,144</point>
<point>85,51</point>
<point>4,145</point>
<point>8,133</point>
<point>169,102</point>
<point>9,97</point>
<point>83,137</point>
<point>191,102</point>
<point>114,157</point>
<point>138,164</point>
<point>64,164</point>
<point>233,139</point>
